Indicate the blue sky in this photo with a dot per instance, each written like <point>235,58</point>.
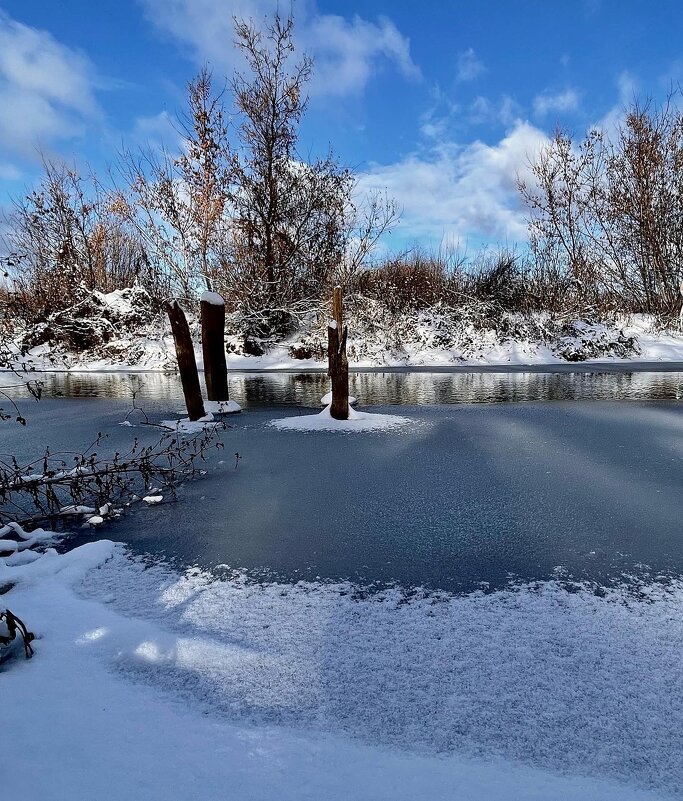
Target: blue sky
<point>441,103</point>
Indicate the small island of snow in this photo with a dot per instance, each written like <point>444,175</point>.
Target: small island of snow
<point>357,421</point>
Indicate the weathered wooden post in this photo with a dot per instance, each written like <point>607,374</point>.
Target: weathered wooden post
<point>187,364</point>
<point>213,346</point>
<point>338,363</point>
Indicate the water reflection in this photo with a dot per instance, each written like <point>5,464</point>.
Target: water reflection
<point>383,388</point>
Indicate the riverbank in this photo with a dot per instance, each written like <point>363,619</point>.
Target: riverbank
<point>637,342</point>
<point>122,331</point>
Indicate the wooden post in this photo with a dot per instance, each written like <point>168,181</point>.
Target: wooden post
<point>213,346</point>
<point>338,363</point>
<point>337,308</point>
<point>187,364</point>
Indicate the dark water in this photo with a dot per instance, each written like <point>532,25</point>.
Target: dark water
<point>614,382</point>
<point>471,494</point>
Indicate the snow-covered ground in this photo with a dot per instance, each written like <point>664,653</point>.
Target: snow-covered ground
<point>422,341</point>
<point>147,684</point>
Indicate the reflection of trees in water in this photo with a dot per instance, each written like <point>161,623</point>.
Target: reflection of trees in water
<point>111,385</point>
<point>386,388</point>
<point>446,388</point>
<point>302,389</point>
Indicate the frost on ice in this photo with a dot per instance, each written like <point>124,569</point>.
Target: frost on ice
<point>531,694</point>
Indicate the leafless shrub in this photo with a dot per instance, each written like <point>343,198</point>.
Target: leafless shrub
<point>64,238</point>
<point>56,484</point>
<point>607,213</point>
<point>414,281</point>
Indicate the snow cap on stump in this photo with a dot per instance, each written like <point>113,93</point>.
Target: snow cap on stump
<point>213,298</point>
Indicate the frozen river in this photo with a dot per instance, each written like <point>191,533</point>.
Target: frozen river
<point>475,493</point>
<point>581,481</point>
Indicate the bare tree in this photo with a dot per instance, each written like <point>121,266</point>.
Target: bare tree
<point>288,214</point>
<point>609,211</point>
<point>177,202</point>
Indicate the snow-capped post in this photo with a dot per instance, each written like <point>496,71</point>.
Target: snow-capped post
<point>338,363</point>
<point>213,346</point>
<point>187,364</point>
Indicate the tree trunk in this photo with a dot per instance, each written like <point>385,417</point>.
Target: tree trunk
<point>338,363</point>
<point>213,349</point>
<point>187,364</point>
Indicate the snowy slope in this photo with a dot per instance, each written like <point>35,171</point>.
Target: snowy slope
<point>439,337</point>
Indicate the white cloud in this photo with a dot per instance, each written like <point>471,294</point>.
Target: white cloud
<point>158,132</point>
<point>559,103</point>
<point>346,52</point>
<point>9,172</point>
<point>627,88</point>
<point>469,66</point>
<point>46,89</point>
<point>456,193</point>
<point>504,111</point>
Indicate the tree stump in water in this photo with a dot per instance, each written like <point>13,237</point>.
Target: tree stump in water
<point>187,364</point>
<point>213,346</point>
<point>338,363</point>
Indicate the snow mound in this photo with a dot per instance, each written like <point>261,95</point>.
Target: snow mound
<point>21,540</point>
<point>326,400</point>
<point>358,421</point>
<point>222,407</point>
<point>187,426</point>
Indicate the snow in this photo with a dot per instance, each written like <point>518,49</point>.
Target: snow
<point>222,407</point>
<point>187,426</point>
<point>153,499</point>
<point>24,539</point>
<point>119,300</point>
<point>78,510</point>
<point>357,421</point>
<point>213,298</point>
<point>156,685</point>
<point>143,352</point>
<point>326,399</point>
